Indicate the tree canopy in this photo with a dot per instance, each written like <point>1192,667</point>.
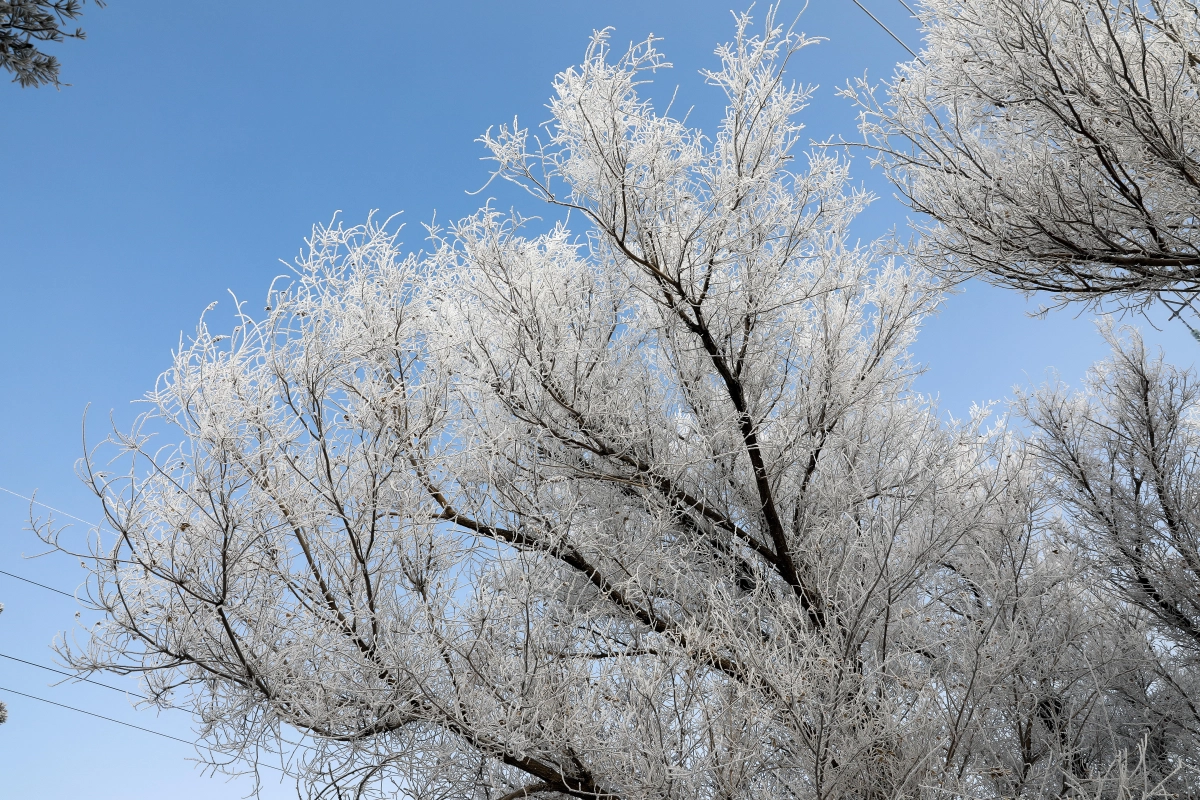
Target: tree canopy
<point>1053,145</point>
<point>650,509</point>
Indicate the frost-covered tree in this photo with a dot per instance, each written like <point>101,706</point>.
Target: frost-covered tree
<point>650,510</point>
<point>1127,454</point>
<point>1053,143</point>
<point>1124,459</point>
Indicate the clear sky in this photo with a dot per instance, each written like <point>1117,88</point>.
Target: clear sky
<point>197,145</point>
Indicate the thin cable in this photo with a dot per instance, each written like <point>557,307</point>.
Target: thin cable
<point>889,31</point>
<point>89,680</point>
<point>136,727</point>
<point>106,719</point>
<point>44,586</point>
<point>907,6</point>
<point>59,511</point>
<point>98,683</point>
<point>75,677</point>
<point>105,685</point>
<point>56,511</point>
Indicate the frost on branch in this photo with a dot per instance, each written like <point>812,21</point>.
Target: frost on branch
<point>649,510</point>
<point>1125,458</point>
<point>1054,144</point>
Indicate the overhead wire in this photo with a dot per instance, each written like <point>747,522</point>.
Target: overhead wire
<point>75,677</point>
<point>137,727</point>
<point>100,716</point>
<point>37,502</point>
<point>879,22</point>
<point>120,722</point>
<point>95,682</point>
<point>129,692</point>
<point>35,583</point>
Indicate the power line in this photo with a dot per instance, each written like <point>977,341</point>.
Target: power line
<point>75,677</point>
<point>128,692</point>
<point>48,508</point>
<point>101,716</point>
<point>889,30</point>
<point>98,683</point>
<point>56,511</point>
<point>105,685</point>
<point>42,585</point>
<point>131,693</point>
<point>136,727</point>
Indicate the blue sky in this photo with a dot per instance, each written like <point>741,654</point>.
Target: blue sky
<point>197,145</point>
